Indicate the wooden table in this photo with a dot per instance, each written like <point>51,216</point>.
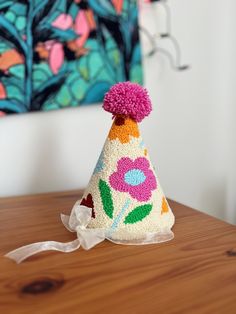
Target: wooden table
<point>194,273</point>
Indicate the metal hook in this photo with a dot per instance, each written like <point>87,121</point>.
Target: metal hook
<point>174,62</point>
<point>168,18</point>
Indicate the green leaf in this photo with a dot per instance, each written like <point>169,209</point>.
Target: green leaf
<point>48,90</point>
<point>14,91</point>
<point>103,8</point>
<point>17,71</point>
<point>138,214</point>
<point>68,5</point>
<point>42,10</point>
<point>105,193</point>
<point>62,35</point>
<point>96,92</point>
<point>136,74</point>
<point>11,34</point>
<point>5,4</point>
<point>64,97</point>
<point>45,32</point>
<point>10,106</point>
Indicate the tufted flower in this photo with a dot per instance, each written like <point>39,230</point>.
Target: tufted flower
<point>123,128</point>
<point>164,206</point>
<point>134,177</point>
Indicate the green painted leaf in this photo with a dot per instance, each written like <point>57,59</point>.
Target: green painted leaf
<point>42,10</point>
<point>136,74</point>
<point>138,214</point>
<point>9,33</point>
<point>64,98</point>
<point>96,92</point>
<point>5,4</point>
<point>12,106</point>
<point>47,90</point>
<point>107,202</point>
<point>17,71</point>
<point>44,32</point>
<point>78,88</point>
<point>103,8</point>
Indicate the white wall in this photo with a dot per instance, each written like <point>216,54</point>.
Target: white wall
<point>231,97</point>
<point>187,134</point>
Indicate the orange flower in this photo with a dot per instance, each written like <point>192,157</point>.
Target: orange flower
<point>10,58</point>
<point>123,128</point>
<point>164,207</point>
<point>118,4</point>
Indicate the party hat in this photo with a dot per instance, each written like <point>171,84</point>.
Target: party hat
<point>124,193</point>
<point>123,202</point>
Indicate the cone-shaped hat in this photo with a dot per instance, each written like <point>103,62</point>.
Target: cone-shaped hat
<point>123,202</point>
<point>124,193</point>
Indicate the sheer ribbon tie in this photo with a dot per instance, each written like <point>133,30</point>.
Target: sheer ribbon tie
<point>76,222</point>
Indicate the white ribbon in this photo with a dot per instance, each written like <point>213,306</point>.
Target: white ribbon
<point>76,222</point>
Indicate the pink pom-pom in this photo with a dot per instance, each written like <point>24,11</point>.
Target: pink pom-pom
<point>129,99</point>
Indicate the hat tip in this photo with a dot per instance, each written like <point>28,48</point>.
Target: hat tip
<point>128,99</point>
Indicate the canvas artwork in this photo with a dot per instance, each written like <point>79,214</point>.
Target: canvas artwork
<point>65,53</point>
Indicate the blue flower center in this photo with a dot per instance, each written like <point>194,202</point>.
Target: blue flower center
<point>134,177</point>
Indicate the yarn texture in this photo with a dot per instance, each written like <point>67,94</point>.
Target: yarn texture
<point>127,198</point>
<point>128,99</point>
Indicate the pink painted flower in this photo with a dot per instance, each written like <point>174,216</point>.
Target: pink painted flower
<point>53,52</point>
<point>63,21</point>
<point>56,57</point>
<point>3,93</point>
<point>84,23</point>
<point>81,28</point>
<point>55,49</point>
<point>134,177</point>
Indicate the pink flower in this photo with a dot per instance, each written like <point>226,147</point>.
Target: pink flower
<point>56,57</point>
<point>3,94</point>
<point>134,177</point>
<point>56,51</point>
<point>81,28</point>
<point>63,21</point>
<point>84,23</point>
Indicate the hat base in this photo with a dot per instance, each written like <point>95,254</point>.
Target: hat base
<point>149,238</point>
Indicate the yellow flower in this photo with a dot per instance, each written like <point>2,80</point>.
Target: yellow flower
<point>122,128</point>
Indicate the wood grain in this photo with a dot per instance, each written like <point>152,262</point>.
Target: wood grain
<point>194,273</point>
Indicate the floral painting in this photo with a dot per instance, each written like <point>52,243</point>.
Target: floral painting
<point>65,53</point>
